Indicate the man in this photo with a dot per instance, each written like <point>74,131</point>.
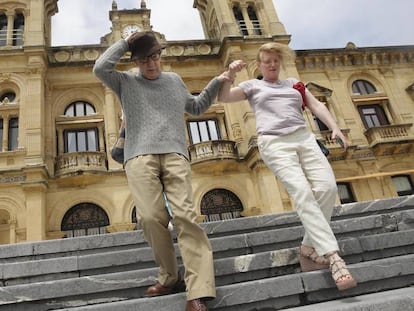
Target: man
<point>156,162</point>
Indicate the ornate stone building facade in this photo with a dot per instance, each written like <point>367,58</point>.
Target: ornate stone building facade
<point>58,122</point>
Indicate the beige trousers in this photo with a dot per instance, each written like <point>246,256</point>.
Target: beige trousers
<point>149,176</point>
<point>309,179</point>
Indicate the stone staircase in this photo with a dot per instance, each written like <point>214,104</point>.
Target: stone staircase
<point>256,266</point>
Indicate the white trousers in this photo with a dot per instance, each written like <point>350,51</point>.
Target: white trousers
<point>298,162</point>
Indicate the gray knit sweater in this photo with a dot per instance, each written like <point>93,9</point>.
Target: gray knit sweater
<point>153,109</point>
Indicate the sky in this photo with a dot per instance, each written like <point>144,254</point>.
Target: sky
<point>316,24</point>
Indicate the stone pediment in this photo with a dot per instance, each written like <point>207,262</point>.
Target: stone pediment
<point>318,90</point>
<point>410,90</point>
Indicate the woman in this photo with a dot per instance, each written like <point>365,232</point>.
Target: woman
<point>291,152</point>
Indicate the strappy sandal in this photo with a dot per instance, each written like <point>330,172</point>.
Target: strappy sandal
<point>310,260</point>
<point>342,277</point>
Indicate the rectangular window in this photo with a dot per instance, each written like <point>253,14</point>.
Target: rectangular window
<point>321,126</point>
<point>345,193</point>
<point>3,30</point>
<point>403,185</point>
<point>203,130</point>
<point>81,140</point>
<point>13,134</point>
<point>373,115</point>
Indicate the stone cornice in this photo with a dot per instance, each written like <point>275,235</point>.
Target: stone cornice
<point>371,56</point>
<point>73,55</point>
<point>306,59</point>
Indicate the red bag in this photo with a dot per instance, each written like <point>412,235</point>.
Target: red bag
<point>299,86</point>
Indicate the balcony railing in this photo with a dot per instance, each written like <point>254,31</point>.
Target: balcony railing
<point>16,39</point>
<point>80,161</point>
<point>255,30</point>
<point>212,150</point>
<point>389,134</point>
<point>326,137</point>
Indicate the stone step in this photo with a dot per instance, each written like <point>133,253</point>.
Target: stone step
<point>273,293</point>
<point>253,256</point>
<point>111,259</point>
<point>388,215</point>
<point>264,265</point>
<point>401,299</point>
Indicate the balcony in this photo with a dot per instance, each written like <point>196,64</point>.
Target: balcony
<point>388,134</point>
<point>75,162</point>
<point>390,139</point>
<point>336,152</point>
<point>212,150</point>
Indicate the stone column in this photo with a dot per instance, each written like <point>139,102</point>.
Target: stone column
<point>249,25</point>
<point>5,146</point>
<point>10,28</point>
<point>35,211</point>
<point>12,230</point>
<point>111,123</point>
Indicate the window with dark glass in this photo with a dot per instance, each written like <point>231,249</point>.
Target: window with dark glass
<point>3,29</point>
<point>255,21</point>
<point>13,134</point>
<point>238,15</point>
<point>78,109</point>
<point>220,204</point>
<point>85,219</point>
<point>11,96</point>
<point>81,140</point>
<point>373,115</point>
<point>203,130</point>
<point>321,126</point>
<point>345,193</point>
<point>363,87</point>
<point>403,184</point>
<point>18,30</point>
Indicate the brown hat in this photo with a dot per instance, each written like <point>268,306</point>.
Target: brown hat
<point>143,44</point>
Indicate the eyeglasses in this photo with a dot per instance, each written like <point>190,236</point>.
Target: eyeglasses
<point>156,56</point>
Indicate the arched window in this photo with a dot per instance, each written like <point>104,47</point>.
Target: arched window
<point>85,219</point>
<point>134,216</point>
<point>5,223</point>
<point>84,138</point>
<point>363,87</point>
<point>218,204</point>
<point>18,30</point>
<point>80,139</point>
<point>254,19</point>
<point>7,97</point>
<point>3,29</point>
<point>9,121</point>
<point>372,109</point>
<point>238,15</point>
<point>79,108</point>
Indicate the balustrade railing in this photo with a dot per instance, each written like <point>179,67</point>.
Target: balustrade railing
<point>388,133</point>
<point>211,150</point>
<point>80,161</point>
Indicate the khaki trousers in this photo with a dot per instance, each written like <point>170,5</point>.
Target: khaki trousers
<point>308,178</point>
<point>149,176</point>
